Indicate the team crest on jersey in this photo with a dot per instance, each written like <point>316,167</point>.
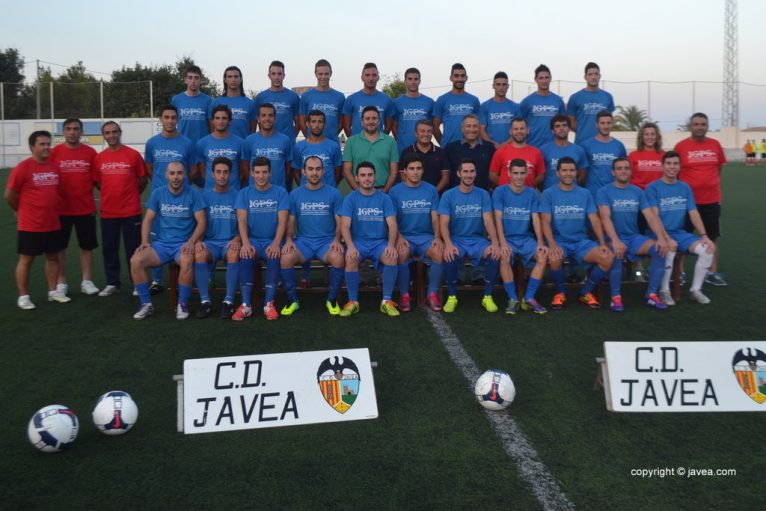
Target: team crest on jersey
<point>338,380</point>
<point>749,365</point>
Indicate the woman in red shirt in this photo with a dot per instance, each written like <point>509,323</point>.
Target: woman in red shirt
<point>646,160</point>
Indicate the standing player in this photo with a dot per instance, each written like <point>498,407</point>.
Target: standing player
<point>325,99</point>
<point>368,220</point>
<point>417,216</point>
<point>373,146</point>
<point>433,157</point>
<point>452,106</point>
<point>316,144</point>
<point>32,192</point>
<point>222,241</point>
<point>520,234</point>
<point>271,144</point>
<point>646,160</point>
<point>673,200</point>
<point>560,147</point>
<point>410,108</point>
<point>242,108</point>
<point>285,102</point>
<point>192,105</point>
<point>313,232</point>
<point>496,114</point>
<point>539,108</point>
<point>585,104</point>
<point>471,147</point>
<point>77,207</point>
<point>120,174</point>
<point>181,213</point>
<point>601,151</point>
<point>465,222</point>
<point>517,148</point>
<point>369,96</point>
<point>221,143</point>
<point>262,211</point>
<point>565,211</point>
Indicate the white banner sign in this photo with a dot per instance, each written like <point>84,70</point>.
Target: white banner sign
<point>284,389</point>
<point>685,376</point>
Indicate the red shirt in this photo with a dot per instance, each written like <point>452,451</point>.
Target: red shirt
<point>646,167</point>
<point>502,158</point>
<point>76,174</point>
<point>701,168</point>
<point>38,187</point>
<point>119,173</point>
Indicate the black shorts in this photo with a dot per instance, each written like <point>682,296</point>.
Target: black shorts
<point>35,243</point>
<point>85,225</point>
<point>711,219</point>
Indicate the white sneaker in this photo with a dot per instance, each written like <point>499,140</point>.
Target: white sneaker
<point>147,309</point>
<point>109,290</point>
<point>667,298</point>
<point>697,296</point>
<point>58,296</point>
<point>63,289</point>
<point>87,287</point>
<point>25,303</point>
<point>182,311</point>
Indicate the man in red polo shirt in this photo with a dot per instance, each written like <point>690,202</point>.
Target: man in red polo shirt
<point>33,192</point>
<point>120,174</point>
<point>517,148</point>
<point>78,209</point>
<point>701,161</point>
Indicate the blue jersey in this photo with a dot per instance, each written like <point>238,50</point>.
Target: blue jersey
<point>242,112</point>
<point>673,202</point>
<point>451,108</point>
<point>175,221</point>
<point>600,156</point>
<point>330,102</point>
<point>209,148</point>
<point>552,153</point>
<point>315,210</point>
<point>626,204</point>
<point>496,118</point>
<point>286,102</point>
<point>221,215</point>
<point>569,212</point>
<point>329,152</point>
<point>192,114</point>
<point>413,208</point>
<point>161,150</point>
<point>585,105</point>
<point>408,111</point>
<point>356,102</point>
<point>538,110</point>
<point>263,209</point>
<point>278,148</point>
<point>368,215</point>
<point>517,209</point>
<point>466,212</point>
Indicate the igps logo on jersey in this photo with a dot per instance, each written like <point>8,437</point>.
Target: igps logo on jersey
<point>749,366</point>
<point>338,380</point>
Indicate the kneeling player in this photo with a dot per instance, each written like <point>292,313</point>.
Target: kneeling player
<point>565,210</point>
<point>517,219</point>
<point>181,224</point>
<point>313,232</point>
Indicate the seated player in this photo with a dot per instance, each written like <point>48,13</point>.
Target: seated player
<point>519,234</point>
<point>313,232</point>
<point>416,203</point>
<point>222,241</point>
<point>672,200</point>
<point>180,210</point>
<point>565,211</point>
<point>370,232</point>
<point>465,217</point>
<point>619,205</point>
<point>262,210</point>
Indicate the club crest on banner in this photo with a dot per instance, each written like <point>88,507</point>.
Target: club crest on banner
<point>749,365</point>
<point>338,380</point>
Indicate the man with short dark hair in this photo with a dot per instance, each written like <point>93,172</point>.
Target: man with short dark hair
<point>221,143</point>
<point>517,148</point>
<point>433,157</point>
<point>560,147</point>
<point>369,96</point>
<point>452,106</point>
<point>601,151</point>
<point>585,104</point>
<point>192,105</point>
<point>316,144</point>
<point>472,147</point>
<point>268,142</point>
<point>284,100</point>
<point>325,99</point>
<point>496,114</point>
<point>375,147</point>
<point>409,109</point>
<point>539,108</point>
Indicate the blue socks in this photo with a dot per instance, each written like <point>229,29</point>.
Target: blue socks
<point>272,279</point>
<point>352,285</point>
<point>595,276</point>
<point>403,278</point>
<point>434,277</point>
<point>656,270</point>
<point>615,277</point>
<point>246,280</point>
<point>389,281</point>
<point>143,292</point>
<point>288,280</point>
<point>336,278</point>
<point>232,277</point>
<point>532,286</point>
<point>201,278</point>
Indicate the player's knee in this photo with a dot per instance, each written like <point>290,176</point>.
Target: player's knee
<point>336,260</point>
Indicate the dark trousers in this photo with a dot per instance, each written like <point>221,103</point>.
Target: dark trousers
<point>130,227</point>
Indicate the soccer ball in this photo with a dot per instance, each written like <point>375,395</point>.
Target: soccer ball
<point>494,390</point>
<point>53,428</point>
<point>115,413</point>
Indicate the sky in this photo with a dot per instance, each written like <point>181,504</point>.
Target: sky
<point>656,40</point>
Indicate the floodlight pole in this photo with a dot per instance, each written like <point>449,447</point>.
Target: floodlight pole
<point>730,97</point>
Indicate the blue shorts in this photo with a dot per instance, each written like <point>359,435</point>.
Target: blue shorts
<point>526,248</point>
<point>419,245</point>
<point>473,248</point>
<point>167,251</point>
<point>634,244</point>
<point>577,250</point>
<point>371,250</point>
<point>217,249</point>
<point>313,248</point>
<point>685,240</point>
<point>260,248</point>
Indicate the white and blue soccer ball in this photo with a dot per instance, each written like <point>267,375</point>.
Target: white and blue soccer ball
<point>115,413</point>
<point>53,428</point>
<point>495,390</point>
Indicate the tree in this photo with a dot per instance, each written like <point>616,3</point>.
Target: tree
<point>16,97</point>
<point>629,119</point>
<point>394,86</point>
<point>11,66</point>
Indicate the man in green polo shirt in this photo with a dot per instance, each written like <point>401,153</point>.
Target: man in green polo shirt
<point>374,146</point>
